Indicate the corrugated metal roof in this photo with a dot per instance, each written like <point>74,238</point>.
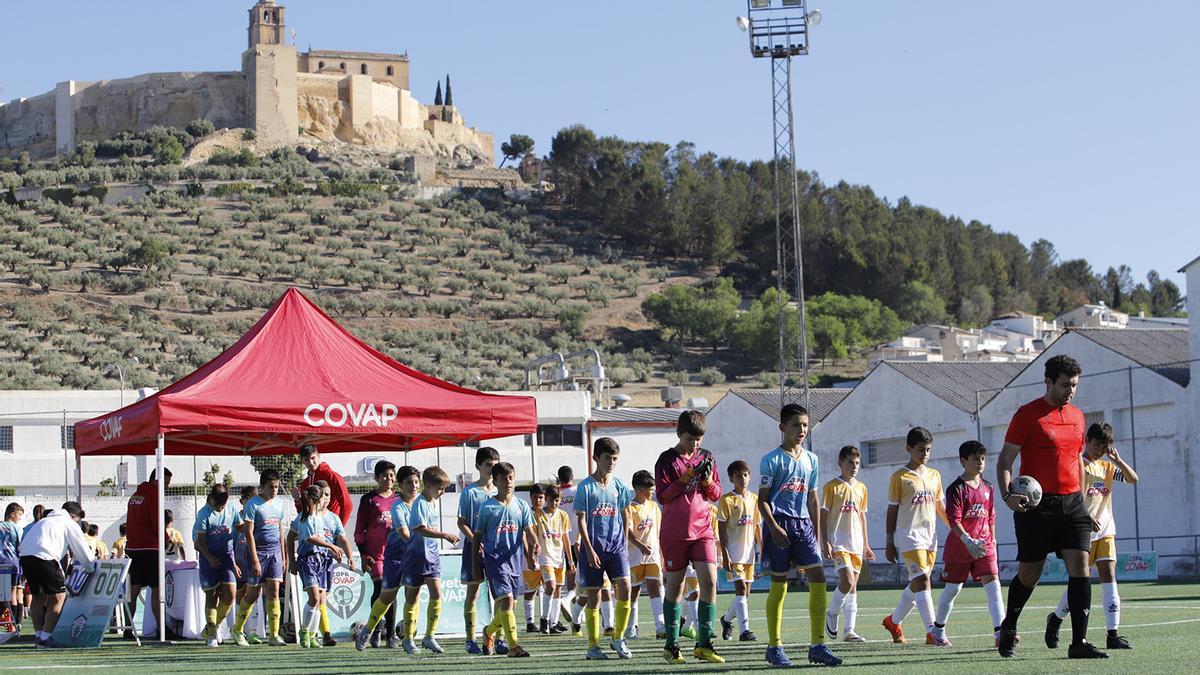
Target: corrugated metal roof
<point>1163,350</point>
<point>956,382</point>
<point>820,401</point>
<point>640,414</point>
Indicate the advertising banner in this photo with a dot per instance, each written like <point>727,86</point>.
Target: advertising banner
<point>85,617</point>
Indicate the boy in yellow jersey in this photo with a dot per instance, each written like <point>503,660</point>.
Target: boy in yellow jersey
<point>552,526</point>
<point>644,517</point>
<point>844,538</point>
<point>531,576</point>
<point>915,503</point>
<point>740,541</point>
<point>1102,466</point>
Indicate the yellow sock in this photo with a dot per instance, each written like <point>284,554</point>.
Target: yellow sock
<point>816,612</point>
<point>377,611</point>
<point>324,619</point>
<point>243,615</point>
<point>593,626</point>
<point>273,614</point>
<point>621,618</point>
<point>775,612</point>
<point>509,619</point>
<point>210,617</point>
<point>410,620</point>
<point>434,612</point>
<point>469,618</point>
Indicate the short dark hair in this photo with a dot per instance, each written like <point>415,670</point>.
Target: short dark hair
<point>249,491</point>
<point>605,446</point>
<point>565,474</point>
<point>121,529</point>
<point>405,472</point>
<point>691,422</point>
<point>917,436</point>
<point>168,515</point>
<point>849,451</point>
<point>643,479</point>
<point>73,508</point>
<point>503,469</point>
<point>267,476</point>
<point>323,484</point>
<point>970,449</point>
<point>12,508</point>
<point>1062,365</point>
<point>93,530</point>
<point>435,475</point>
<point>1101,431</point>
<point>382,467</point>
<point>485,453</point>
<point>308,450</point>
<point>154,474</point>
<point>792,410</point>
<point>218,493</point>
<point>537,489</point>
<point>552,493</point>
<point>737,466</point>
<point>39,511</point>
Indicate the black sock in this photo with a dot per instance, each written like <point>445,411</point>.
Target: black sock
<point>1018,595</point>
<point>1112,632</point>
<point>1079,600</point>
<point>18,612</point>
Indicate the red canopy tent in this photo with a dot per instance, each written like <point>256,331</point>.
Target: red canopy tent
<point>298,377</point>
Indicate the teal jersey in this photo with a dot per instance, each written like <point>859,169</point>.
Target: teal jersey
<point>604,509</point>
<point>790,480</point>
<point>396,544</point>
<point>326,525</point>
<point>219,528</point>
<point>10,540</point>
<point>264,518</point>
<point>502,527</point>
<point>424,514</point>
<point>470,501</point>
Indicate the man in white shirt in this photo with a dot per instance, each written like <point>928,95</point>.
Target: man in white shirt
<point>44,545</point>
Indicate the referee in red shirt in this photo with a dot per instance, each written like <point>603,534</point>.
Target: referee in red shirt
<point>1049,435</point>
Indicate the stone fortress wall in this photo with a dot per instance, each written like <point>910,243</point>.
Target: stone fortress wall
<point>360,98</point>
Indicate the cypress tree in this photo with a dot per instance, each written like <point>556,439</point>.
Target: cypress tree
<point>449,96</point>
<point>437,98</point>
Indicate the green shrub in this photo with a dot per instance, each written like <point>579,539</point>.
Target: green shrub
<point>677,378</point>
<point>711,376</point>
<point>249,135</point>
<point>200,128</point>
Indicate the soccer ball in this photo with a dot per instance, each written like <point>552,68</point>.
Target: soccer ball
<point>1030,488</point>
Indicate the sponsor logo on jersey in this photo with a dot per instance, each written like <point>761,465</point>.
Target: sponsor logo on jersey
<point>795,485</point>
<point>603,511</point>
<point>849,506</point>
<point>922,497</point>
<point>976,511</point>
<point>507,527</point>
<point>745,520</point>
<point>645,525</point>
<point>1097,488</point>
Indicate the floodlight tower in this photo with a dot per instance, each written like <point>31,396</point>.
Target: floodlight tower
<point>778,30</point>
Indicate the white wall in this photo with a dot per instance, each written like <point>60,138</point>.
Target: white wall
<point>738,430</point>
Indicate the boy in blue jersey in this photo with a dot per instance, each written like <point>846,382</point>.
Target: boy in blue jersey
<point>10,557</point>
<point>423,560</point>
<point>469,503</point>
<point>408,484</point>
<point>503,531</point>
<point>322,541</point>
<point>600,503</point>
<point>264,528</point>
<point>791,511</point>
<point>213,535</point>
<point>241,555</point>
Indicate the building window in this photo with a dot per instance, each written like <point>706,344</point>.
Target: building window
<point>67,436</point>
<point>391,71</point>
<point>362,69</point>
<point>560,434</point>
<point>320,65</point>
<point>343,66</point>
<point>267,16</point>
<point>6,442</point>
<point>886,451</point>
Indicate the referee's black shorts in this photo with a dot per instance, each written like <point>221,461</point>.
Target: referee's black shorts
<point>1058,523</point>
<point>45,577</point>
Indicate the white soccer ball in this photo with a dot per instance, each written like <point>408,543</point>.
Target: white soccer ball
<point>1030,488</point>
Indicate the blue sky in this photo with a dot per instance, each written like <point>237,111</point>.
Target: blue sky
<point>1071,120</point>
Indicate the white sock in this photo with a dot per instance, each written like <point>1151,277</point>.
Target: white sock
<point>1062,610</point>
<point>42,635</point>
<point>529,618</point>
<point>742,604</point>
<point>1112,605</point>
<point>850,607</point>
<point>547,601</point>
<point>656,607</point>
<point>905,606</point>
<point>924,602</point>
<point>311,617</point>
<point>633,618</point>
<point>693,617</point>
<point>732,611</point>
<point>995,600</point>
<point>565,604</point>
<point>835,604</point>
<point>576,608</point>
<point>946,602</point>
<point>606,611</point>
<point>569,597</point>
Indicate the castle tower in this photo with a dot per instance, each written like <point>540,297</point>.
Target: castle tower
<point>270,68</point>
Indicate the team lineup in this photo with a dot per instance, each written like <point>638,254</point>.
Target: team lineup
<point>581,555</point>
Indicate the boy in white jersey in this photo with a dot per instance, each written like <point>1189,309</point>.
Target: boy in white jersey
<point>740,541</point>
<point>555,558</point>
<point>915,503</point>
<point>644,516</point>
<point>531,575</point>
<point>1102,466</point>
<point>844,538</point>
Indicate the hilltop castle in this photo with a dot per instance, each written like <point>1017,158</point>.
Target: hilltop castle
<point>355,97</point>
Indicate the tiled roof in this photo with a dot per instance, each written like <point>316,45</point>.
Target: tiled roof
<point>1163,350</point>
<point>957,381</point>
<point>820,401</point>
<point>639,414</point>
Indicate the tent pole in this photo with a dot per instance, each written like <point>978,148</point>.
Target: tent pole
<point>533,463</point>
<point>78,478</point>
<point>162,540</point>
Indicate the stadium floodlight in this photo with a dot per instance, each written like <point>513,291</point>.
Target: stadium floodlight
<point>779,31</point>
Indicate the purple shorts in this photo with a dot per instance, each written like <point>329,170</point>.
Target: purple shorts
<point>613,565</point>
<point>801,550</point>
